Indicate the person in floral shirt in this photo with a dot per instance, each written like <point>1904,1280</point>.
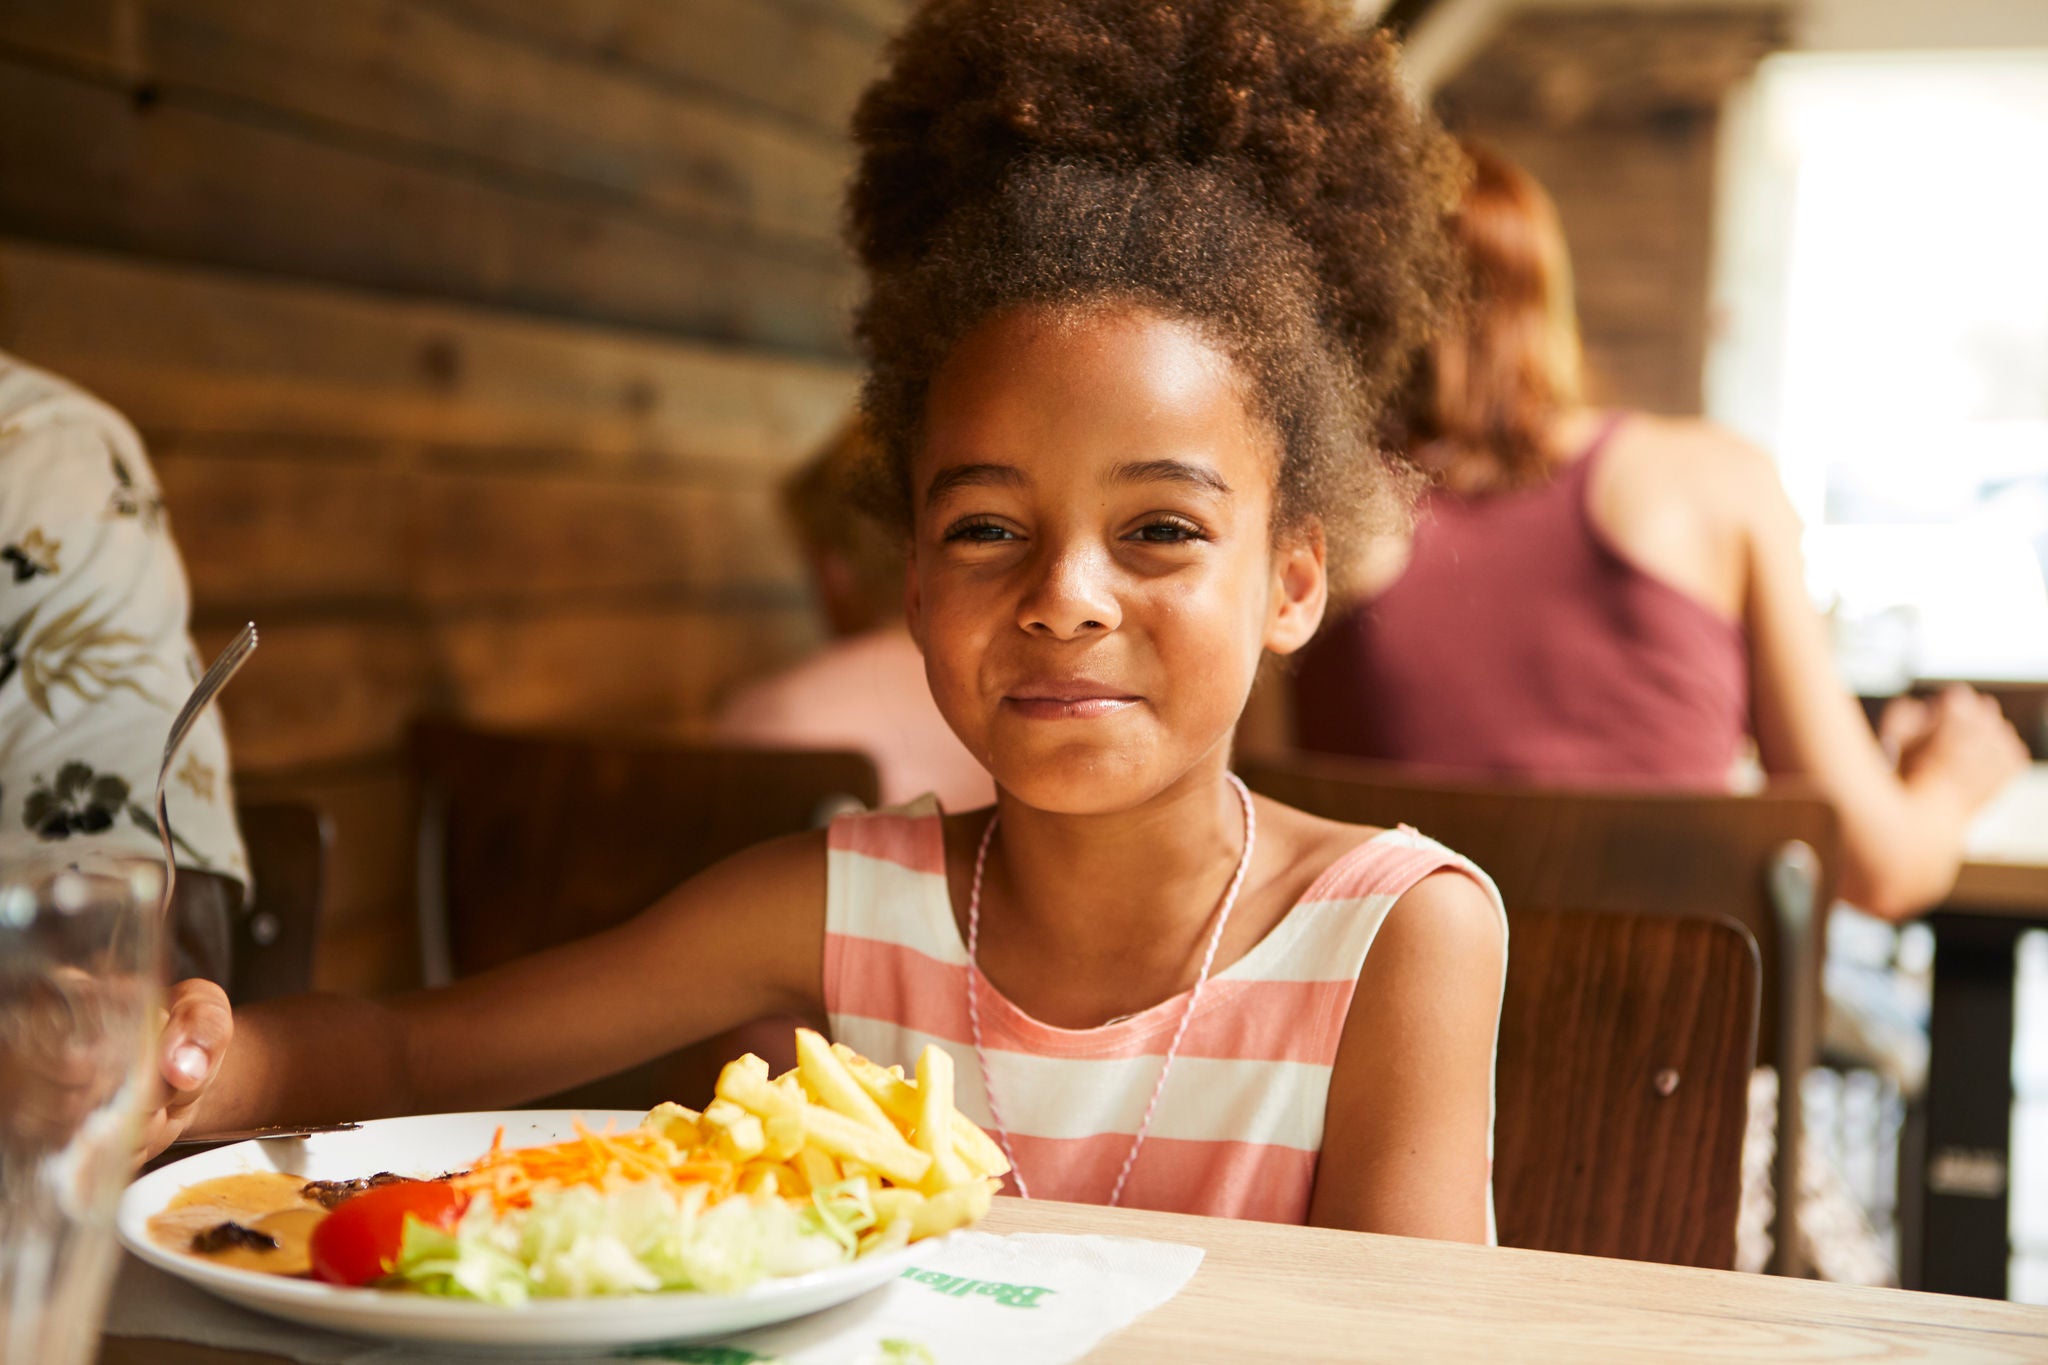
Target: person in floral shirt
<point>95,660</point>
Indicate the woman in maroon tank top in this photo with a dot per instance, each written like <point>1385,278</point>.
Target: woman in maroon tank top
<point>1613,599</point>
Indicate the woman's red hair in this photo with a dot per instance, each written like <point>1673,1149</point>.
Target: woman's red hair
<point>1495,377</point>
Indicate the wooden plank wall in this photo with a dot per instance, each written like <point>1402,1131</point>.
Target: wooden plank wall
<point>469,338</point>
<point>1617,111</point>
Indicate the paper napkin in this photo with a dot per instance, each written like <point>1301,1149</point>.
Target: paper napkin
<point>978,1299</point>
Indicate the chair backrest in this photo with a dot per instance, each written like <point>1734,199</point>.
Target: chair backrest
<point>1765,860</point>
<point>1626,1046</point>
<point>1564,848</point>
<point>537,838</point>
<point>529,840</point>
<point>275,937</point>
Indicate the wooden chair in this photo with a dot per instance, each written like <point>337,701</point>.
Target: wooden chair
<point>274,938</point>
<point>529,840</point>
<point>1766,861</point>
<point>1626,1046</point>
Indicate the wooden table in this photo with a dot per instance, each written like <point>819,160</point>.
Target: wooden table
<point>1272,1293</point>
<point>1958,1239</point>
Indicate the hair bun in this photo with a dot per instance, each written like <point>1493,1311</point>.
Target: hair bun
<point>1279,96</point>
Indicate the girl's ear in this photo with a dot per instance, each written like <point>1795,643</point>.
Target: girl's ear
<point>1301,590</point>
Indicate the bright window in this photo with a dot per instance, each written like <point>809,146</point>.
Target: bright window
<point>1883,288</point>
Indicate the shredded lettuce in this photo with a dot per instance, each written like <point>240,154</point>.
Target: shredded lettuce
<point>582,1242</point>
<point>903,1351</point>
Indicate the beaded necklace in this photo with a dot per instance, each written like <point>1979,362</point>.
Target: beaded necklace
<point>1251,837</point>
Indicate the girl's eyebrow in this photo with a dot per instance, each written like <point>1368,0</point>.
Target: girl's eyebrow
<point>1169,471</point>
<point>973,476</point>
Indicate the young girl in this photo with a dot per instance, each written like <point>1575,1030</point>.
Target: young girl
<point>1139,277</point>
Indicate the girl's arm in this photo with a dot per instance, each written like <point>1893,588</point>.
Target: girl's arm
<point>1405,1134</point>
<point>742,939</point>
<point>1902,830</point>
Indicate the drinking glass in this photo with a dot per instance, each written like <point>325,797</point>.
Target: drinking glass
<point>81,973</point>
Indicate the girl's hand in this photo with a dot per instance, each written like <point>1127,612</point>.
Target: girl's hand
<point>1902,724</point>
<point>198,1025</point>
<point>1965,742</point>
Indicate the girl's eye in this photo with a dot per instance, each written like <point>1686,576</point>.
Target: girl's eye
<point>1168,531</point>
<point>978,531</point>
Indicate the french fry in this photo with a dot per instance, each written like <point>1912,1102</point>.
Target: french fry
<point>784,1135</point>
<point>748,1064</point>
<point>885,1236</point>
<point>736,1134</point>
<point>745,1083</point>
<point>934,1130</point>
<point>895,1203</point>
<point>839,1117</point>
<point>955,1208</point>
<point>743,1140</point>
<point>677,1124</point>
<point>872,1141</point>
<point>882,1149</point>
<point>819,1170</point>
<point>828,1081</point>
<point>899,1098</point>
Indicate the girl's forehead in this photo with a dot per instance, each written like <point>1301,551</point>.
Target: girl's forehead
<point>1065,394</point>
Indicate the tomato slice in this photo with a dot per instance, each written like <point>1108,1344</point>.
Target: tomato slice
<point>358,1242</point>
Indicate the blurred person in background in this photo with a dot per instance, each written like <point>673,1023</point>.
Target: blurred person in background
<point>95,661</point>
<point>866,688</point>
<point>1614,598</point>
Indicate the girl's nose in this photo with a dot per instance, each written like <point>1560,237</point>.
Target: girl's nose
<point>1071,597</point>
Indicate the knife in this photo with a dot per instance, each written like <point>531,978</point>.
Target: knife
<point>264,1134</point>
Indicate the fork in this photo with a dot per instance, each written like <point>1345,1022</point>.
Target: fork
<point>231,658</point>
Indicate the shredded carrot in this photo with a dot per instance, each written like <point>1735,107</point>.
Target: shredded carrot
<point>510,1177</point>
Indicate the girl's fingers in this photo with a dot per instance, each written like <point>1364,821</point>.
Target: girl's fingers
<point>195,1036</point>
<point>196,1025</point>
<point>1903,723</point>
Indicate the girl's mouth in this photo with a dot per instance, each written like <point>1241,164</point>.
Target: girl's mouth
<point>1081,699</point>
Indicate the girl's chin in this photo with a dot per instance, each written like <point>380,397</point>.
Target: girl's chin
<point>1079,781</point>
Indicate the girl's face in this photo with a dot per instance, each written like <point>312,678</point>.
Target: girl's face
<point>1094,574</point>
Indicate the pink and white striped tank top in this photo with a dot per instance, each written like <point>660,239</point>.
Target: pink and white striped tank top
<point>1240,1123</point>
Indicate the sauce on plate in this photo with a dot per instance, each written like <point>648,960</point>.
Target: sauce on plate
<point>271,1203</point>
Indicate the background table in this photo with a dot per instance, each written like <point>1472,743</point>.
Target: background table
<point>1284,1294</point>
<point>1963,1240</point>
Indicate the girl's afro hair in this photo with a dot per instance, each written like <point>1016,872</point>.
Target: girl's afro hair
<point>1255,167</point>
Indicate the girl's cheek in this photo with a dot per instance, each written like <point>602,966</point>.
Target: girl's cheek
<point>953,648</point>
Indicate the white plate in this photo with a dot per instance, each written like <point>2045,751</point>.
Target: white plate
<point>428,1146</point>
